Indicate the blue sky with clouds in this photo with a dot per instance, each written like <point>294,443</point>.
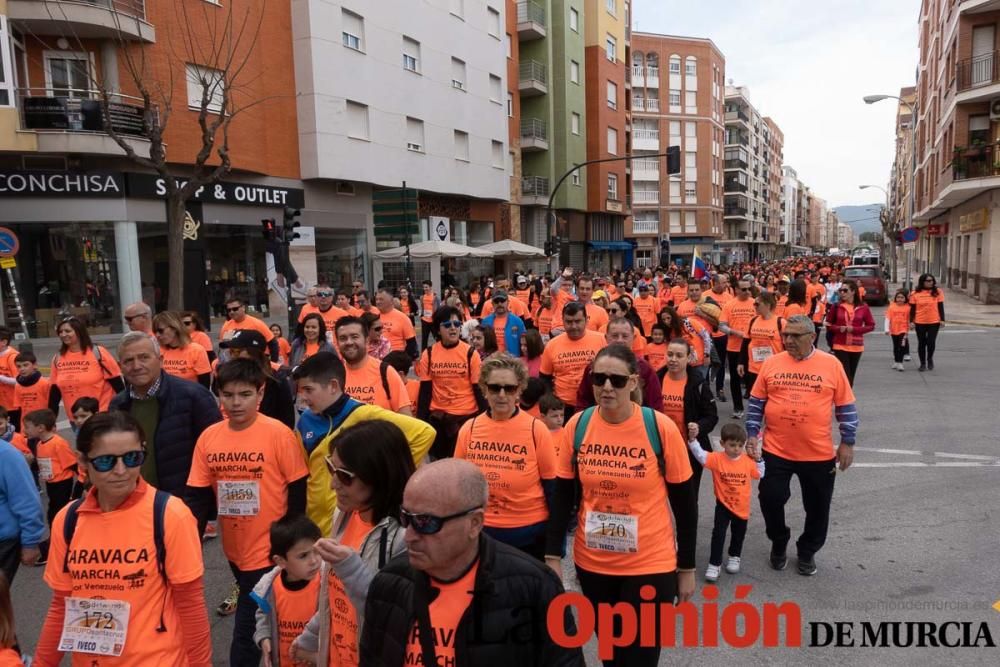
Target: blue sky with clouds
<point>807,65</point>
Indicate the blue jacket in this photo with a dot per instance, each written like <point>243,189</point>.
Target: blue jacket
<point>512,332</point>
<point>20,505</point>
<point>186,409</point>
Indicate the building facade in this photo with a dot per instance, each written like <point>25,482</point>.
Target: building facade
<point>790,206</point>
<point>845,236</point>
<point>677,96</point>
<point>902,175</point>
<point>774,157</point>
<point>816,224</point>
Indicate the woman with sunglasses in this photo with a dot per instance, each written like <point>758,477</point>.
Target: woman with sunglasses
<point>310,338</point>
<point>629,462</point>
<point>515,452</point>
<point>618,310</point>
<point>848,321</point>
<point>81,368</point>
<point>763,339</point>
<point>369,466</point>
<point>181,356</point>
<point>927,315</point>
<point>157,616</point>
<point>377,345</point>
<point>196,330</point>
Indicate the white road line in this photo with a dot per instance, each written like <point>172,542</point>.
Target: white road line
<point>920,464</point>
<point>910,452</point>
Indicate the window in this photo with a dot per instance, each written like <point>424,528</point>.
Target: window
<point>575,178</point>
<point>675,98</point>
<point>67,74</point>
<point>611,48</point>
<point>203,83</point>
<point>574,20</point>
<point>675,190</point>
<point>612,186</point>
<point>612,141</point>
<point>574,71</point>
<point>353,30</point>
<point>610,4</point>
<point>690,222</point>
<point>979,129</point>
<point>675,133</point>
<point>675,222</point>
<point>612,95</point>
<point>415,135</point>
<point>675,65</point>
<point>691,101</point>
<point>691,66</point>
<point>6,67</point>
<point>458,8</point>
<point>690,130</point>
<point>411,54</point>
<point>507,44</point>
<point>458,73</point>
<point>690,191</point>
<point>691,162</point>
<point>461,145</point>
<point>498,154</point>
<point>493,22</point>
<point>574,123</point>
<point>496,91</point>
<point>357,120</point>
<point>510,105</point>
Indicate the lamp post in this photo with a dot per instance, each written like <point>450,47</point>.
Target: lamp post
<point>887,241</point>
<point>872,99</point>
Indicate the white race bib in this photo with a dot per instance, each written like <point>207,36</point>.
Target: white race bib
<point>239,498</point>
<point>761,354</point>
<point>428,313</point>
<point>45,469</point>
<point>95,626</point>
<point>612,532</point>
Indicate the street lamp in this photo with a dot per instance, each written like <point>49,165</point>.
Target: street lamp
<point>887,241</point>
<point>872,99</point>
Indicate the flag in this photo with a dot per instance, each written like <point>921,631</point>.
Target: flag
<point>699,269</point>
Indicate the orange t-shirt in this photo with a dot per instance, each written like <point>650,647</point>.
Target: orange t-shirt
<point>20,443</point>
<point>28,399</point>
<point>731,480</point>
<point>427,307</point>
<point>543,320</point>
<point>344,638</point>
<point>453,375</point>
<point>284,350</point>
<point>794,309</point>
<point>737,315</point>
<point>10,658</point>
<point>186,362</point>
<point>8,368</point>
<point>499,329</point>
<point>397,328</point>
<point>673,401</point>
<point>515,455</point>
<point>693,329</point>
<point>78,374</point>
<point>678,294</point>
<point>446,611</point>
<point>800,399</point>
<point>566,360</point>
<point>229,327</point>
<point>721,298</point>
<point>646,308</point>
<point>365,385</point>
<point>413,391</point>
<point>927,309</point>
<point>686,308</point>
<point>107,562</point>
<point>899,318</point>
<point>623,490</point>
<point>250,471</point>
<point>779,308</point>
<point>294,609</point>
<point>765,342</point>
<point>656,354</point>
<point>55,460</point>
<point>202,339</point>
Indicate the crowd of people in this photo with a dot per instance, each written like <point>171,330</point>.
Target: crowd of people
<point>369,490</point>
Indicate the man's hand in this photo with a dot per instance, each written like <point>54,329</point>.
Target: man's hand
<point>30,555</point>
<point>740,370</point>
<point>332,551</point>
<point>753,447</point>
<point>845,456</point>
<point>685,586</point>
<point>693,431</point>
<point>555,562</point>
<point>265,652</point>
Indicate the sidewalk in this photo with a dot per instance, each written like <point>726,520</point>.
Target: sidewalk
<point>960,308</point>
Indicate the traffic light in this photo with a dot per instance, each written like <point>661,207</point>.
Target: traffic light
<point>548,249</point>
<point>664,249</point>
<point>290,223</point>
<point>674,160</point>
<point>556,245</point>
<point>270,229</point>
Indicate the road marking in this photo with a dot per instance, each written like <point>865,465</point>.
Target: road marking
<point>910,452</point>
<point>921,464</point>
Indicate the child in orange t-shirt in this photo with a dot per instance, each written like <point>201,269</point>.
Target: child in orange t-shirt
<point>656,348</point>
<point>732,471</point>
<point>57,465</point>
<point>553,414</point>
<point>897,324</point>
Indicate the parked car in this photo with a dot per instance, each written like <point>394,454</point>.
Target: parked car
<point>870,277</point>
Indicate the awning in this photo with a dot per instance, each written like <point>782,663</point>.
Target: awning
<point>610,245</point>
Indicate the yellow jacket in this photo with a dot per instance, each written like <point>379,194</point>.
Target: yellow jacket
<point>321,500</point>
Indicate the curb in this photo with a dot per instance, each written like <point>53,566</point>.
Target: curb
<point>966,323</point>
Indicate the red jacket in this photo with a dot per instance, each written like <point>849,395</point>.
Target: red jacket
<point>862,323</point>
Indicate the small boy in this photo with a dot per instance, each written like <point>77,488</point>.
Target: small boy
<point>732,471</point>
<point>287,596</point>
<point>83,409</point>
<point>32,391</point>
<point>57,464</point>
<point>549,405</point>
<point>656,347</point>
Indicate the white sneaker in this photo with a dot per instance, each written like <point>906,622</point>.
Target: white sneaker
<point>712,572</point>
<point>893,365</point>
<point>899,367</point>
<point>907,358</point>
<point>733,565</point>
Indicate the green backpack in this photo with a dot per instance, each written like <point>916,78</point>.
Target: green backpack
<point>652,433</point>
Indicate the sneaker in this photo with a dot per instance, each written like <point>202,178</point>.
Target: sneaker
<point>228,606</point>
<point>211,530</point>
<point>899,367</point>
<point>778,558</point>
<point>42,560</point>
<point>737,414</point>
<point>721,396</point>
<point>712,572</point>
<point>922,368</point>
<point>930,365</point>
<point>733,565</point>
<point>807,566</point>
<point>907,357</point>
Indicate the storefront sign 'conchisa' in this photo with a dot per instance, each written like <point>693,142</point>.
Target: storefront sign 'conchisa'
<point>142,186</point>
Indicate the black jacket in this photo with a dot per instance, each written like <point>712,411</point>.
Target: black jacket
<point>510,602</point>
<point>699,407</point>
<point>186,409</point>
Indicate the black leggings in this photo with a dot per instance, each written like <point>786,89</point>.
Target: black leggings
<point>611,589</point>
<point>900,347</point>
<point>720,370</point>
<point>425,333</point>
<point>850,361</point>
<point>59,494</point>
<point>724,518</point>
<point>735,381</point>
<point>926,341</point>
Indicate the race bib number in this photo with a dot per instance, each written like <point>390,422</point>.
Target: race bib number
<point>239,498</point>
<point>45,469</point>
<point>761,354</point>
<point>95,626</point>
<point>428,313</point>
<point>612,532</point>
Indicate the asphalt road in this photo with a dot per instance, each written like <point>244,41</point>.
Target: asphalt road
<point>914,534</point>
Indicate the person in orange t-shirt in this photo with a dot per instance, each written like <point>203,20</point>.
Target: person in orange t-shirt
<point>365,373</point>
<point>8,368</point>
<point>735,317</point>
<point>284,347</point>
<point>77,371</point>
<point>239,320</point>
<point>763,337</point>
<point>897,325</point>
<point>514,451</point>
<point>396,326</point>
<point>56,461</point>
<point>927,315</point>
<point>181,357</point>
<point>655,351</point>
<point>253,470</point>
<point>567,356</point>
<point>32,391</point>
<point>646,306</point>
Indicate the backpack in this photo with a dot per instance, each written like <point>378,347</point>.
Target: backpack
<point>652,433</point>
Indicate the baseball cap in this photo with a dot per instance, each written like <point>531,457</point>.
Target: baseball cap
<point>499,295</point>
<point>245,339</point>
<point>521,280</point>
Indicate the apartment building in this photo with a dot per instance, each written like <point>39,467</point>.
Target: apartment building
<point>678,86</point>
<point>831,232</point>
<point>816,225</point>
<point>91,223</point>
<point>957,140</point>
<point>790,230</point>
<point>774,157</point>
<point>845,236</point>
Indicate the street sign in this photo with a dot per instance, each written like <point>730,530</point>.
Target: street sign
<point>9,245</point>
<point>7,262</point>
<point>910,235</point>
<point>395,212</point>
<point>910,246</point>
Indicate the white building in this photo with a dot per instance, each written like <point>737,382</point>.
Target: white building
<point>845,236</point>
<point>790,202</point>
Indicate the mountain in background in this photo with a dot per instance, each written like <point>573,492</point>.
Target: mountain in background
<point>861,218</point>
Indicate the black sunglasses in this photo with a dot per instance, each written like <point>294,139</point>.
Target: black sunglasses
<point>188,323</point>
<point>451,324</point>
<point>228,310</point>
<point>428,524</point>
<point>495,388</point>
<point>344,476</point>
<point>617,381</point>
<point>129,318</point>
<point>324,294</point>
<point>107,462</point>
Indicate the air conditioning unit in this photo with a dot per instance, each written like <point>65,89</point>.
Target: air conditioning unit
<point>414,147</point>
<point>995,109</point>
<point>345,188</point>
<point>455,83</point>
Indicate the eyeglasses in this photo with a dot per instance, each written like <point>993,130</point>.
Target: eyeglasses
<point>613,311</point>
<point>451,324</point>
<point>744,289</point>
<point>495,388</point>
<point>107,462</point>
<point>428,524</point>
<point>844,290</point>
<point>129,318</point>
<point>188,323</point>
<point>324,295</point>
<point>228,310</point>
<point>787,334</point>
<point>344,476</point>
<point>617,381</point>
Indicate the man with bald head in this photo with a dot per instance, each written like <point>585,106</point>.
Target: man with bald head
<point>415,610</point>
<point>139,317</point>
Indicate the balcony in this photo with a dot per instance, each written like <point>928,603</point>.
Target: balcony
<point>638,76</point>
<point>645,226</point>
<point>737,115</point>
<point>976,162</point>
<point>976,78</point>
<point>736,163</point>
<point>652,77</point>
<point>72,121</point>
<point>978,6</point>
<point>645,140</point>
<point>534,135</point>
<point>734,212</point>
<point>530,21</point>
<point>651,104</point>
<point>121,20</point>
<point>646,170</point>
<point>734,186</point>
<point>640,197</point>
<point>534,191</point>
<point>532,78</point>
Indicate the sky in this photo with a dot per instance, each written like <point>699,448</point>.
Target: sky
<point>808,65</point>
